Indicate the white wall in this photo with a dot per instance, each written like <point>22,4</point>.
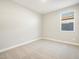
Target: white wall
<point>51,25</point>
<point>17,24</point>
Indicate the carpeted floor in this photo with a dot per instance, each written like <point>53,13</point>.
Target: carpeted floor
<point>42,49</point>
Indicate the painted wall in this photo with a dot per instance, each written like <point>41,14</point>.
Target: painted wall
<point>51,25</point>
<point>17,24</point>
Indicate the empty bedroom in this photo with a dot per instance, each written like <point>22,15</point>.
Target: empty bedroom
<point>39,29</point>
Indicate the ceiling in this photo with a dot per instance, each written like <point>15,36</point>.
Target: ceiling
<point>45,6</point>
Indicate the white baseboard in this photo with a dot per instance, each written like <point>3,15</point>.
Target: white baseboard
<point>24,43</point>
<point>60,41</point>
<point>46,38</point>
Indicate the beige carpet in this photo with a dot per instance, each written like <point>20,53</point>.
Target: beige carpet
<point>42,49</point>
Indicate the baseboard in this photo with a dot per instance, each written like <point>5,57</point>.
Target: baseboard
<point>46,38</point>
<point>21,44</point>
<point>60,41</point>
